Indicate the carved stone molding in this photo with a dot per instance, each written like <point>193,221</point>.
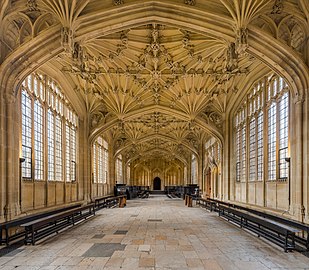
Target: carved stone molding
<point>298,99</point>
<point>9,98</point>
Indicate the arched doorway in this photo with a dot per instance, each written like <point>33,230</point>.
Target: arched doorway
<point>157,183</point>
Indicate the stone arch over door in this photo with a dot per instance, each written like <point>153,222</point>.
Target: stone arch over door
<point>157,183</point>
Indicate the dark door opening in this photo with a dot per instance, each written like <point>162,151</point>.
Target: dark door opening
<point>157,183</point>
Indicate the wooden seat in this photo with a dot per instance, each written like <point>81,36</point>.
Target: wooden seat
<point>301,239</point>
<point>45,226</point>
<point>279,234</point>
<point>7,235</point>
<point>102,202</point>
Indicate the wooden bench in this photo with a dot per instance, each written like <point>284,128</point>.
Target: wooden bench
<point>40,228</point>
<point>279,234</point>
<point>301,239</point>
<point>7,235</point>
<point>217,203</point>
<point>109,201</point>
<point>101,202</point>
<point>206,203</point>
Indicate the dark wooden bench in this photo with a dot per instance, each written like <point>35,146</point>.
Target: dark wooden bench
<point>101,202</point>
<point>109,201</point>
<point>206,203</point>
<point>216,204</point>
<point>7,233</point>
<point>113,201</point>
<point>304,228</point>
<point>301,239</point>
<point>40,228</point>
<point>276,232</point>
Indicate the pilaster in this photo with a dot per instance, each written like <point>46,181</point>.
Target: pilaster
<point>201,165</point>
<point>84,179</point>
<point>11,156</point>
<point>2,157</point>
<point>297,181</point>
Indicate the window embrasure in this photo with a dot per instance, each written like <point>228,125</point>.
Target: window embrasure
<point>119,168</point>
<point>49,129</point>
<point>194,169</point>
<point>100,161</point>
<point>261,132</point>
<point>213,149</point>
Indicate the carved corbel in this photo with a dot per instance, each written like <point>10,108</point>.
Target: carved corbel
<point>67,39</point>
<point>242,40</point>
<point>231,58</point>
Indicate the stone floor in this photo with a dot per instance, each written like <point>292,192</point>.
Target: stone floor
<point>155,233</point>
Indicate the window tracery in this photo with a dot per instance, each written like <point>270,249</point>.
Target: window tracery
<point>263,121</point>
<point>48,128</point>
<point>100,161</point>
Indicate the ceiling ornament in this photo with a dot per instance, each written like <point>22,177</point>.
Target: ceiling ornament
<point>32,6</point>
<point>277,7</point>
<point>190,2</point>
<point>118,2</point>
<point>231,58</point>
<point>156,121</point>
<point>67,40</point>
<point>241,40</point>
<point>156,69</point>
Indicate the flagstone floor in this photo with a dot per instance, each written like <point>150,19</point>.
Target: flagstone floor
<point>155,233</point>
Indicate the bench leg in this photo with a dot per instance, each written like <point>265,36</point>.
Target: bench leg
<point>7,236</point>
<point>32,237</point>
<point>286,243</point>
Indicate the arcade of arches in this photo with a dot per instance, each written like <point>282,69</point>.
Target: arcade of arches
<point>154,93</point>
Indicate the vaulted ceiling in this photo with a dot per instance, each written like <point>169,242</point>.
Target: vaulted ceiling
<point>156,89</point>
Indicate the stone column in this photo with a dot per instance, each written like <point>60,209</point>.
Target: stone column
<point>2,157</point>
<point>297,185</point>
<point>11,165</point>
<point>124,170</point>
<point>227,163</point>
<point>189,180</point>
<point>84,155</point>
<point>112,175</point>
<point>211,184</point>
<point>200,165</point>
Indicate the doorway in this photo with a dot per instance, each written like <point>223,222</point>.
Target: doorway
<point>157,183</point>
